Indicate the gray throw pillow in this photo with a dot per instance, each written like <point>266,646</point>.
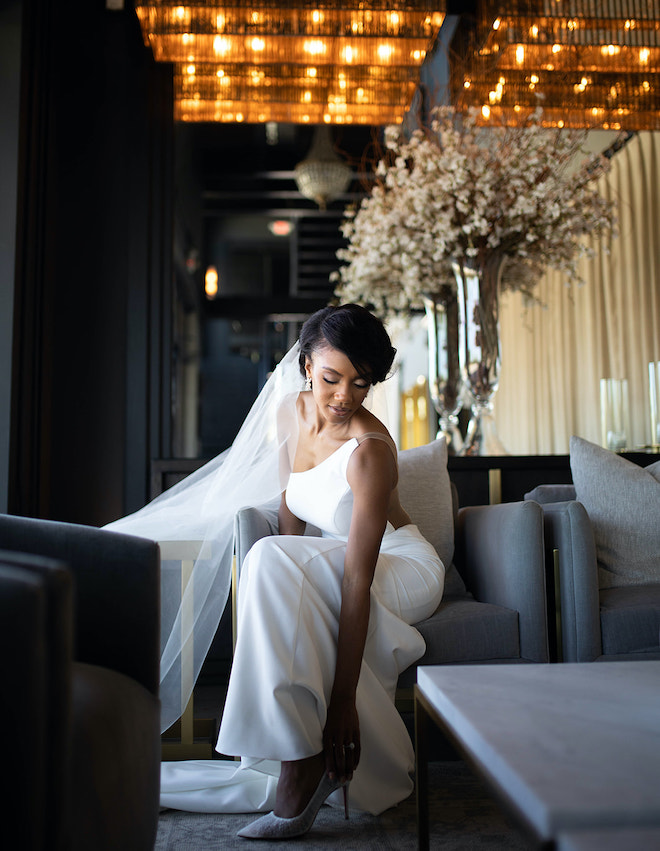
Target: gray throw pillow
<point>425,493</point>
<point>623,504</point>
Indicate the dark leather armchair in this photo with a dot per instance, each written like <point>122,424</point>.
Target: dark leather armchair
<point>79,618</point>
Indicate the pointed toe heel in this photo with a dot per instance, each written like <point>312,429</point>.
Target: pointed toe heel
<point>273,827</point>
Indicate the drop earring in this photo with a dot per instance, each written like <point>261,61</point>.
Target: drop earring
<point>308,383</point>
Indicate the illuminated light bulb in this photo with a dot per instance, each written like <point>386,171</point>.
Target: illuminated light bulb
<point>305,119</point>
<point>220,21</point>
<point>517,108</point>
<point>556,48</point>
<point>311,72</point>
<point>186,38</point>
<point>317,16</point>
<point>220,73</point>
<point>644,55</point>
<point>180,12</point>
<point>613,92</point>
<point>485,111</point>
<point>327,118</point>
<point>257,44</point>
<point>385,52</point>
<point>497,23</point>
<point>221,45</point>
<point>520,54</point>
<point>280,227</point>
<point>211,282</point>
<point>190,70</point>
<point>534,78</point>
<point>307,97</point>
<point>534,31</point>
<point>501,81</point>
<point>349,54</point>
<point>492,97</point>
<point>646,86</point>
<point>466,84</point>
<point>560,123</point>
<point>239,116</point>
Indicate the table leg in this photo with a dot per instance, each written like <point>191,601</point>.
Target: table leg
<point>187,654</point>
<point>422,773</point>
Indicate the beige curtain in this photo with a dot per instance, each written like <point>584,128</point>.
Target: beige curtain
<point>554,354</point>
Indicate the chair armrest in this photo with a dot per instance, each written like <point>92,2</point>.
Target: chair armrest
<point>250,525</point>
<point>116,591</point>
<point>551,493</point>
<point>568,530</point>
<point>499,554</point>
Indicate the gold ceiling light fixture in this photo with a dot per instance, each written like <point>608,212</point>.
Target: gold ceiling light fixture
<point>343,62</point>
<point>586,63</point>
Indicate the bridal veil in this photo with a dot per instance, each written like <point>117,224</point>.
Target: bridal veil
<point>198,514</point>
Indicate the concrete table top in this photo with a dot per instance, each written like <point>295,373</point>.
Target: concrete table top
<point>569,746</point>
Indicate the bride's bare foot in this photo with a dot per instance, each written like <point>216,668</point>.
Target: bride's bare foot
<point>298,781</point>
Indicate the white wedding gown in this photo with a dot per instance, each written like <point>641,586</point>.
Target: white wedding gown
<point>288,613</point>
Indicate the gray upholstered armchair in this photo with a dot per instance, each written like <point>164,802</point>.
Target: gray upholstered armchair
<point>79,620</point>
<point>494,605</point>
<point>595,624</point>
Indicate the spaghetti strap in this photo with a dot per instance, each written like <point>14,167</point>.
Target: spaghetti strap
<point>379,436</point>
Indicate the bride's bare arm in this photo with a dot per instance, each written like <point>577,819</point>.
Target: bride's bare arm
<point>288,523</point>
<point>372,475</point>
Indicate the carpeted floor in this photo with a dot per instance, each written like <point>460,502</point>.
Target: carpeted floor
<point>463,816</point>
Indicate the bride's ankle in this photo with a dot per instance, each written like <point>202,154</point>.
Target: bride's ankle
<point>297,783</point>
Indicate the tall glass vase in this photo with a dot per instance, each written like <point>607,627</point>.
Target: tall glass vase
<point>445,380</point>
<point>478,296</point>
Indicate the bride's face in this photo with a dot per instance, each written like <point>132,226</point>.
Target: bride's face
<point>338,388</point>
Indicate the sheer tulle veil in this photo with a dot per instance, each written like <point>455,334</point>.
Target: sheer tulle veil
<point>194,523</point>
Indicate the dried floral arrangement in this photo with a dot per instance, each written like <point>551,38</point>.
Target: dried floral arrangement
<point>512,200</point>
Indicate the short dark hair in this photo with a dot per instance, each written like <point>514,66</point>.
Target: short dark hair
<point>356,332</point>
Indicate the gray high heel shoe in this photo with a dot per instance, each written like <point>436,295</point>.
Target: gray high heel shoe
<point>274,827</point>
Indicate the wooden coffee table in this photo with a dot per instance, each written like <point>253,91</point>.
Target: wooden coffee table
<point>566,748</point>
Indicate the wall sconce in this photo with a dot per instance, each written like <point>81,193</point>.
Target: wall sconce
<point>211,282</point>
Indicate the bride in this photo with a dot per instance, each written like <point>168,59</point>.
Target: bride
<point>323,622</point>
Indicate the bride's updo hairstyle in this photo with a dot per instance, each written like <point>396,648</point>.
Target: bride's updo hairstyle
<point>354,331</point>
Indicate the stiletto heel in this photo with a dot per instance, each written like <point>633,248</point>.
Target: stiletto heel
<point>274,827</point>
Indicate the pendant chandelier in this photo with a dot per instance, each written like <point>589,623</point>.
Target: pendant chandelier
<point>342,62</point>
<point>587,63</point>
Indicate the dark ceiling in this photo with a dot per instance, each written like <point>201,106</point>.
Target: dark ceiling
<point>246,179</point>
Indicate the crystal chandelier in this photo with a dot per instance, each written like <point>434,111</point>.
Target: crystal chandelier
<point>347,61</point>
<point>322,176</point>
<point>587,63</point>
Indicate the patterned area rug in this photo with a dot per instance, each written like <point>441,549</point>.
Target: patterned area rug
<point>463,816</point>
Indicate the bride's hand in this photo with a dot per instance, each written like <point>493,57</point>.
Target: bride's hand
<point>341,740</point>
